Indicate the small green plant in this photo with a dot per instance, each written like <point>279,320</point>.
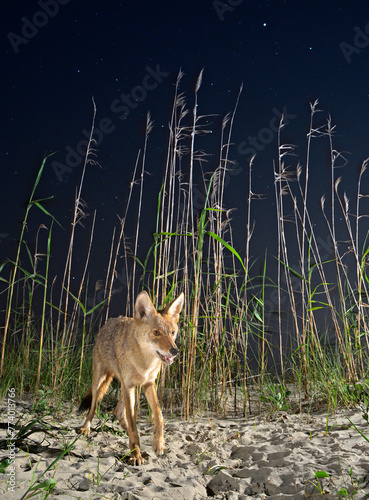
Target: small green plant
<point>277,397</point>
<point>48,485</point>
<point>42,403</point>
<point>99,475</point>
<point>96,479</point>
<point>320,474</point>
<point>343,492</point>
<point>214,470</point>
<point>106,422</point>
<point>199,457</point>
<point>359,393</point>
<point>355,487</point>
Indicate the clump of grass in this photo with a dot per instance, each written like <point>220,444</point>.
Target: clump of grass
<point>227,352</point>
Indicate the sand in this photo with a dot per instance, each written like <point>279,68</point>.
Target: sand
<point>266,456</point>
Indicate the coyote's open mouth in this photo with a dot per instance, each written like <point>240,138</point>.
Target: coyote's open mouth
<point>168,360</point>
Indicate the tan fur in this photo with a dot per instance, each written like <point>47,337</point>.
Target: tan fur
<point>133,350</point>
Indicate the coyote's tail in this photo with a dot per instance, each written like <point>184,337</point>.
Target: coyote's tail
<point>85,403</point>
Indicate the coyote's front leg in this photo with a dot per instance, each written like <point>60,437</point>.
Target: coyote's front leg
<point>134,440</point>
<point>151,396</point>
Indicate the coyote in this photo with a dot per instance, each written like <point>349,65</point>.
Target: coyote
<point>133,350</point>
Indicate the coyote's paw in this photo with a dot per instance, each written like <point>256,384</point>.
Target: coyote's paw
<point>159,445</point>
<point>84,430</point>
<point>136,458</point>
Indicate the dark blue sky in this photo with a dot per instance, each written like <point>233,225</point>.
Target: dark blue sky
<point>57,55</point>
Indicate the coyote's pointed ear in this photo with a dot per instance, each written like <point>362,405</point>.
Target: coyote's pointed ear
<point>143,307</point>
<point>176,307</point>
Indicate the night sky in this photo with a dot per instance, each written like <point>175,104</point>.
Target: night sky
<point>58,55</point>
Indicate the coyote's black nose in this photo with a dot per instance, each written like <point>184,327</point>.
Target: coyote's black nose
<point>174,351</point>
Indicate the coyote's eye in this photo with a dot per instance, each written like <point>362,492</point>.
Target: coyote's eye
<point>157,333</point>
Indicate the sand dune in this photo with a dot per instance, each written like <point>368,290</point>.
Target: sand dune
<point>207,457</point>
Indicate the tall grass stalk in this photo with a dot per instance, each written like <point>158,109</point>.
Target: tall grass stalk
<point>63,321</point>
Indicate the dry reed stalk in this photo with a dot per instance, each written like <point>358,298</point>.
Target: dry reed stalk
<point>122,222</point>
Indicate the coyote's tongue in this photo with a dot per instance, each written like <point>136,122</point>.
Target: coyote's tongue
<point>166,359</point>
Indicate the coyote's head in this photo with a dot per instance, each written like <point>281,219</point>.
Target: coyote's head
<point>157,331</point>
